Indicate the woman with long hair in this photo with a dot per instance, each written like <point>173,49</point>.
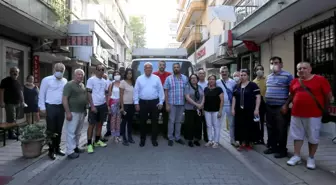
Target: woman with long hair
<point>193,107</point>
<point>127,109</point>
<point>245,108</point>
<point>114,103</point>
<point>213,105</point>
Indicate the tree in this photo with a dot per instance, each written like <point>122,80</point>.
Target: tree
<point>139,30</point>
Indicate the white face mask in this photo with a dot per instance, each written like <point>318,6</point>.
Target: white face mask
<point>236,79</point>
<point>260,73</point>
<point>117,78</point>
<point>275,68</point>
<point>110,76</point>
<point>58,74</point>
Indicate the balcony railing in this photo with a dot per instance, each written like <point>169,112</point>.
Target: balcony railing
<point>247,7</point>
<point>194,35</point>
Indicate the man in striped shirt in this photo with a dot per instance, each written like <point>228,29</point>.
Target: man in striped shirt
<point>277,93</point>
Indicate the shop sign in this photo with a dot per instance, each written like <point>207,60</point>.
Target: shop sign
<point>201,53</point>
<point>36,69</point>
<point>73,41</point>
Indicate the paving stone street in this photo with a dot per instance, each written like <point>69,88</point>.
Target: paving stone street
<point>118,164</point>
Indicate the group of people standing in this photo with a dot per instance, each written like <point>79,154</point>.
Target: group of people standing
<point>206,105</point>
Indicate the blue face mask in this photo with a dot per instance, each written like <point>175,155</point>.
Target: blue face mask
<point>58,74</point>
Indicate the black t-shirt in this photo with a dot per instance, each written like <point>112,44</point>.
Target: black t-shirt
<point>212,100</point>
<point>13,89</point>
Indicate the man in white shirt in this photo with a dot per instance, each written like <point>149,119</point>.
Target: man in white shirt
<point>97,96</point>
<point>203,83</point>
<point>148,99</point>
<point>50,104</point>
<point>227,84</point>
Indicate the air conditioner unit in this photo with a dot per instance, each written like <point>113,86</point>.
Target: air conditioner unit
<point>205,34</point>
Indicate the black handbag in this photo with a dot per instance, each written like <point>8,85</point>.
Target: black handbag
<point>326,117</point>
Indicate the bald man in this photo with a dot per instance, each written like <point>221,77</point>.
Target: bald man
<point>311,91</point>
<point>11,97</point>
<point>50,104</point>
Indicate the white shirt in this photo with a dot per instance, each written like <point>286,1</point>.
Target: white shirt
<point>115,93</point>
<point>98,87</point>
<point>230,84</point>
<point>51,91</point>
<point>148,88</point>
<point>203,84</point>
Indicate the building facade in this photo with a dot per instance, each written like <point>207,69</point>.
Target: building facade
<point>27,29</point>
<point>107,24</point>
<point>291,29</point>
<point>173,34</point>
<point>200,33</point>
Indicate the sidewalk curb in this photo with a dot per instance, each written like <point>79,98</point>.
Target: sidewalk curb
<point>297,175</point>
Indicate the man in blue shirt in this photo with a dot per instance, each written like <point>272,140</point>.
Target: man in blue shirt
<point>277,94</point>
<point>174,94</point>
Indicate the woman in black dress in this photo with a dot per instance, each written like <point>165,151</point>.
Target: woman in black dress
<point>245,108</point>
<point>30,94</point>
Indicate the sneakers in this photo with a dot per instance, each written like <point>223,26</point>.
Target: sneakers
<point>209,143</point>
<point>294,161</point>
<point>215,145</point>
<point>90,149</point>
<point>100,143</point>
<point>311,163</point>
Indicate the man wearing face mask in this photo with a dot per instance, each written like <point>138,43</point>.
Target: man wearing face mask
<point>227,85</point>
<point>11,97</point>
<point>50,104</point>
<point>277,94</point>
<point>260,80</point>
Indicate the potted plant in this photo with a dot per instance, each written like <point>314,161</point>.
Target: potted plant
<point>32,140</point>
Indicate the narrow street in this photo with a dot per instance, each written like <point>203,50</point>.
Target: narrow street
<point>118,164</point>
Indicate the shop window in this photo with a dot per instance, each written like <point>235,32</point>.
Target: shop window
<point>15,58</point>
<point>316,44</point>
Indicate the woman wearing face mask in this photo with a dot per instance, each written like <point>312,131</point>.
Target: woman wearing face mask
<point>260,80</point>
<point>236,76</point>
<point>30,94</point>
<point>114,94</point>
<point>245,108</point>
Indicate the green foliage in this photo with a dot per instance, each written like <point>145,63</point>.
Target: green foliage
<point>60,8</point>
<point>32,132</point>
<point>138,28</point>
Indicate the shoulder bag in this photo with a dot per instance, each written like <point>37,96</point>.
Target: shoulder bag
<point>326,117</point>
<point>228,92</point>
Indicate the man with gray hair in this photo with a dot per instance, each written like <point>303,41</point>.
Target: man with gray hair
<point>148,98</point>
<point>11,97</point>
<point>50,104</point>
<point>227,84</point>
<point>74,103</point>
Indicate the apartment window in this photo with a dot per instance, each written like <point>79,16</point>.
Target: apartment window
<point>316,44</point>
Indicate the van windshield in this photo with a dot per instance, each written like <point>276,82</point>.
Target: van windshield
<point>138,66</point>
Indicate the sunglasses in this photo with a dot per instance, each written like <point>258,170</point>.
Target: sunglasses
<point>101,69</point>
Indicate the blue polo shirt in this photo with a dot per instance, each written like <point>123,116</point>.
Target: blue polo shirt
<point>277,88</point>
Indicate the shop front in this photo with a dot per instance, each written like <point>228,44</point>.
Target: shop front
<point>13,55</point>
<point>205,55</point>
